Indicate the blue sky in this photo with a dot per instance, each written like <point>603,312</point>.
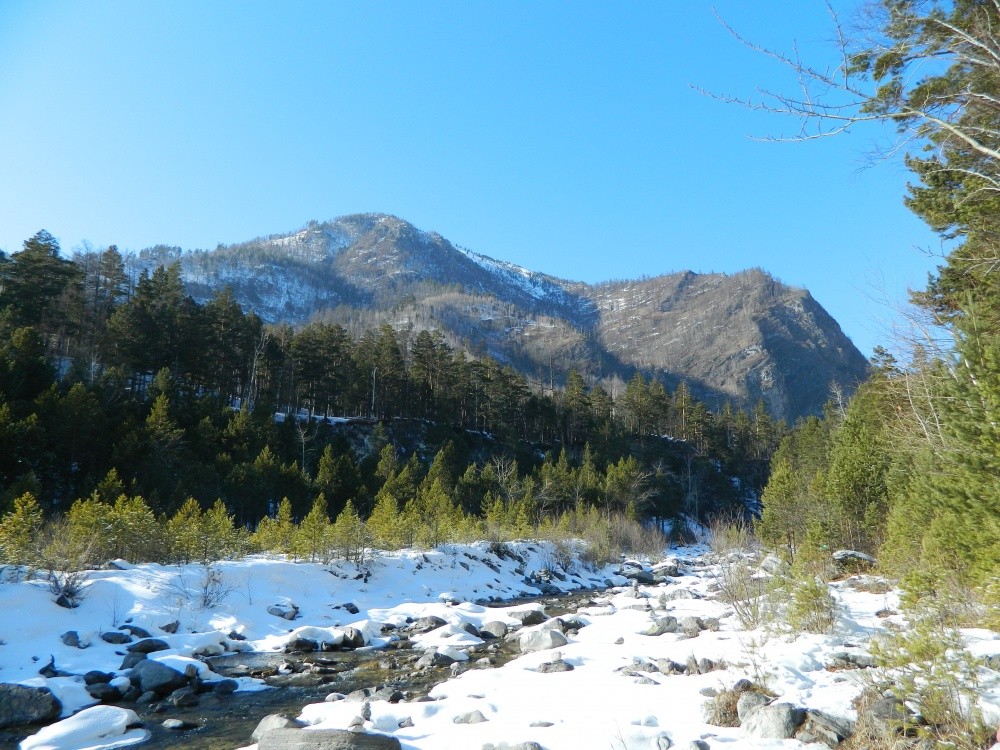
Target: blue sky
<point>563,136</point>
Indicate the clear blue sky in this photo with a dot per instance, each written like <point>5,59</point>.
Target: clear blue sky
<point>563,136</point>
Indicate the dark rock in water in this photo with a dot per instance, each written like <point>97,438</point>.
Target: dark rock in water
<point>137,631</point>
<point>301,645</point>
<point>178,725</point>
<point>185,697</point>
<point>116,637</point>
<point>104,693</point>
<point>171,627</point>
<point>131,660</point>
<point>70,638</point>
<point>153,676</point>
<point>20,704</point>
<point>132,695</point>
<point>324,739</point>
<point>147,646</point>
<point>146,698</point>
<point>96,677</point>
<point>353,638</point>
<point>223,687</point>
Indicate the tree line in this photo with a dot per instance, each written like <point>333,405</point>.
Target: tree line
<point>119,387</point>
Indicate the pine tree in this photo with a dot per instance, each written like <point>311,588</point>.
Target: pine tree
<point>312,539</point>
<point>19,532</point>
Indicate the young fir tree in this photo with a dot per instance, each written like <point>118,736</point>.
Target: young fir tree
<point>312,539</point>
<point>19,531</point>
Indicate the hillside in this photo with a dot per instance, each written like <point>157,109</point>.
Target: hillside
<point>739,337</point>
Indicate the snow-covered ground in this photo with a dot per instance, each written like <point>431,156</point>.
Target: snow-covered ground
<point>615,695</point>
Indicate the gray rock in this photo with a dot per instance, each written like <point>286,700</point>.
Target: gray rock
<point>690,626</point>
<point>850,559</point>
<point>698,745</point>
<point>20,704</point>
<point>95,677</point>
<point>427,624</point>
<point>287,611</point>
<point>223,687</point>
<point>638,575</point>
<point>471,629</point>
<point>777,722</point>
<point>178,725</point>
<point>116,637</point>
<point>146,698</point>
<point>147,646</point>
<point>388,694</point>
<point>131,660</point>
<point>494,629</point>
<point>540,640</point>
<point>185,697</point>
<point>152,676</point>
<point>825,729</point>
<point>529,617</point>
<point>171,627</point>
<point>70,638</point>
<point>677,593</point>
<point>353,638</point>
<point>472,717</point>
<point>136,631</point>
<point>324,739</point>
<point>301,645</point>
<point>405,722</point>
<point>890,711</point>
<point>749,701</point>
<point>558,665</point>
<point>104,692</point>
<point>274,721</point>
<point>662,625</point>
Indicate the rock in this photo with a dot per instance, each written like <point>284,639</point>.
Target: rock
<point>67,601</point>
<point>131,660</point>
<point>146,698</point>
<point>70,638</point>
<point>557,665</point>
<point>662,625</point>
<point>147,646</point>
<point>663,742</point>
<point>772,564</point>
<point>540,640</point>
<point>96,677</point>
<point>852,560</point>
<point>20,704</point>
<point>472,717</point>
<point>324,739</point>
<point>301,645</point>
<point>676,594</point>
<point>388,694</point>
<point>749,701</point>
<point>136,631</point>
<point>471,629</point>
<point>690,626</point>
<point>104,692</point>
<point>234,636</point>
<point>184,697</point>
<point>890,711</point>
<point>351,608</point>
<point>116,637</point>
<point>638,575</point>
<point>286,611</point>
<point>171,627</point>
<point>435,659</point>
<point>777,722</point>
<point>667,666</point>
<point>224,687</point>
<point>152,676</point>
<point>698,745</point>
<point>515,746</point>
<point>825,729</point>
<point>528,617</point>
<point>353,638</point>
<point>178,725</point>
<point>405,723</point>
<point>493,629</point>
<point>427,624</point>
<point>274,721</point>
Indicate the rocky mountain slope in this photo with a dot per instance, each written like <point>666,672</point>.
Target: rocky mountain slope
<point>739,337</point>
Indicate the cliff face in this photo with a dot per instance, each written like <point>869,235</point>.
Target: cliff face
<point>739,337</point>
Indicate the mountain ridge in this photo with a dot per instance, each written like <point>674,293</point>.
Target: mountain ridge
<point>738,337</point>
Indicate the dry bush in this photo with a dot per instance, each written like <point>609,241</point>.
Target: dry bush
<point>731,534</point>
<point>744,590</point>
<point>721,711</point>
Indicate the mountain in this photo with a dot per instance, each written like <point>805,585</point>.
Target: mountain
<point>738,337</point>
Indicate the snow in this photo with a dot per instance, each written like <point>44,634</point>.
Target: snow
<point>613,697</point>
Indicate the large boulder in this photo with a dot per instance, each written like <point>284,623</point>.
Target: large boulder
<point>324,739</point>
<point>821,727</point>
<point>775,722</point>
<point>529,617</point>
<point>662,625</point>
<point>20,704</point>
<point>152,676</point>
<point>540,640</point>
<point>274,721</point>
<point>147,646</point>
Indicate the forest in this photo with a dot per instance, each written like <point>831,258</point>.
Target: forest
<point>126,405</point>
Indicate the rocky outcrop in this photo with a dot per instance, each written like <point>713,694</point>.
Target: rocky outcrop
<point>20,704</point>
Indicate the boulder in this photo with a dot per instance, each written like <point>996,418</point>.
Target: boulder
<point>152,676</point>
<point>557,665</point>
<point>178,725</point>
<point>116,637</point>
<point>274,721</point>
<point>540,640</point>
<point>662,625</point>
<point>825,729</point>
<point>749,701</point>
<point>286,611</point>
<point>427,624</point>
<point>324,739</point>
<point>852,560</point>
<point>528,617</point>
<point>776,722</point>
<point>71,638</point>
<point>104,692</point>
<point>472,717</point>
<point>301,645</point>
<point>131,660</point>
<point>223,687</point>
<point>353,638</point>
<point>95,677</point>
<point>147,646</point>
<point>136,631</point>
<point>493,629</point>
<point>20,704</point>
<point>185,697</point>
<point>171,627</point>
<point>638,575</point>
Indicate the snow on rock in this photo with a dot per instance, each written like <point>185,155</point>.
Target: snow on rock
<point>99,727</point>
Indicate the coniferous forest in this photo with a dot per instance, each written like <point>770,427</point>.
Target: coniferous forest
<point>130,412</point>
